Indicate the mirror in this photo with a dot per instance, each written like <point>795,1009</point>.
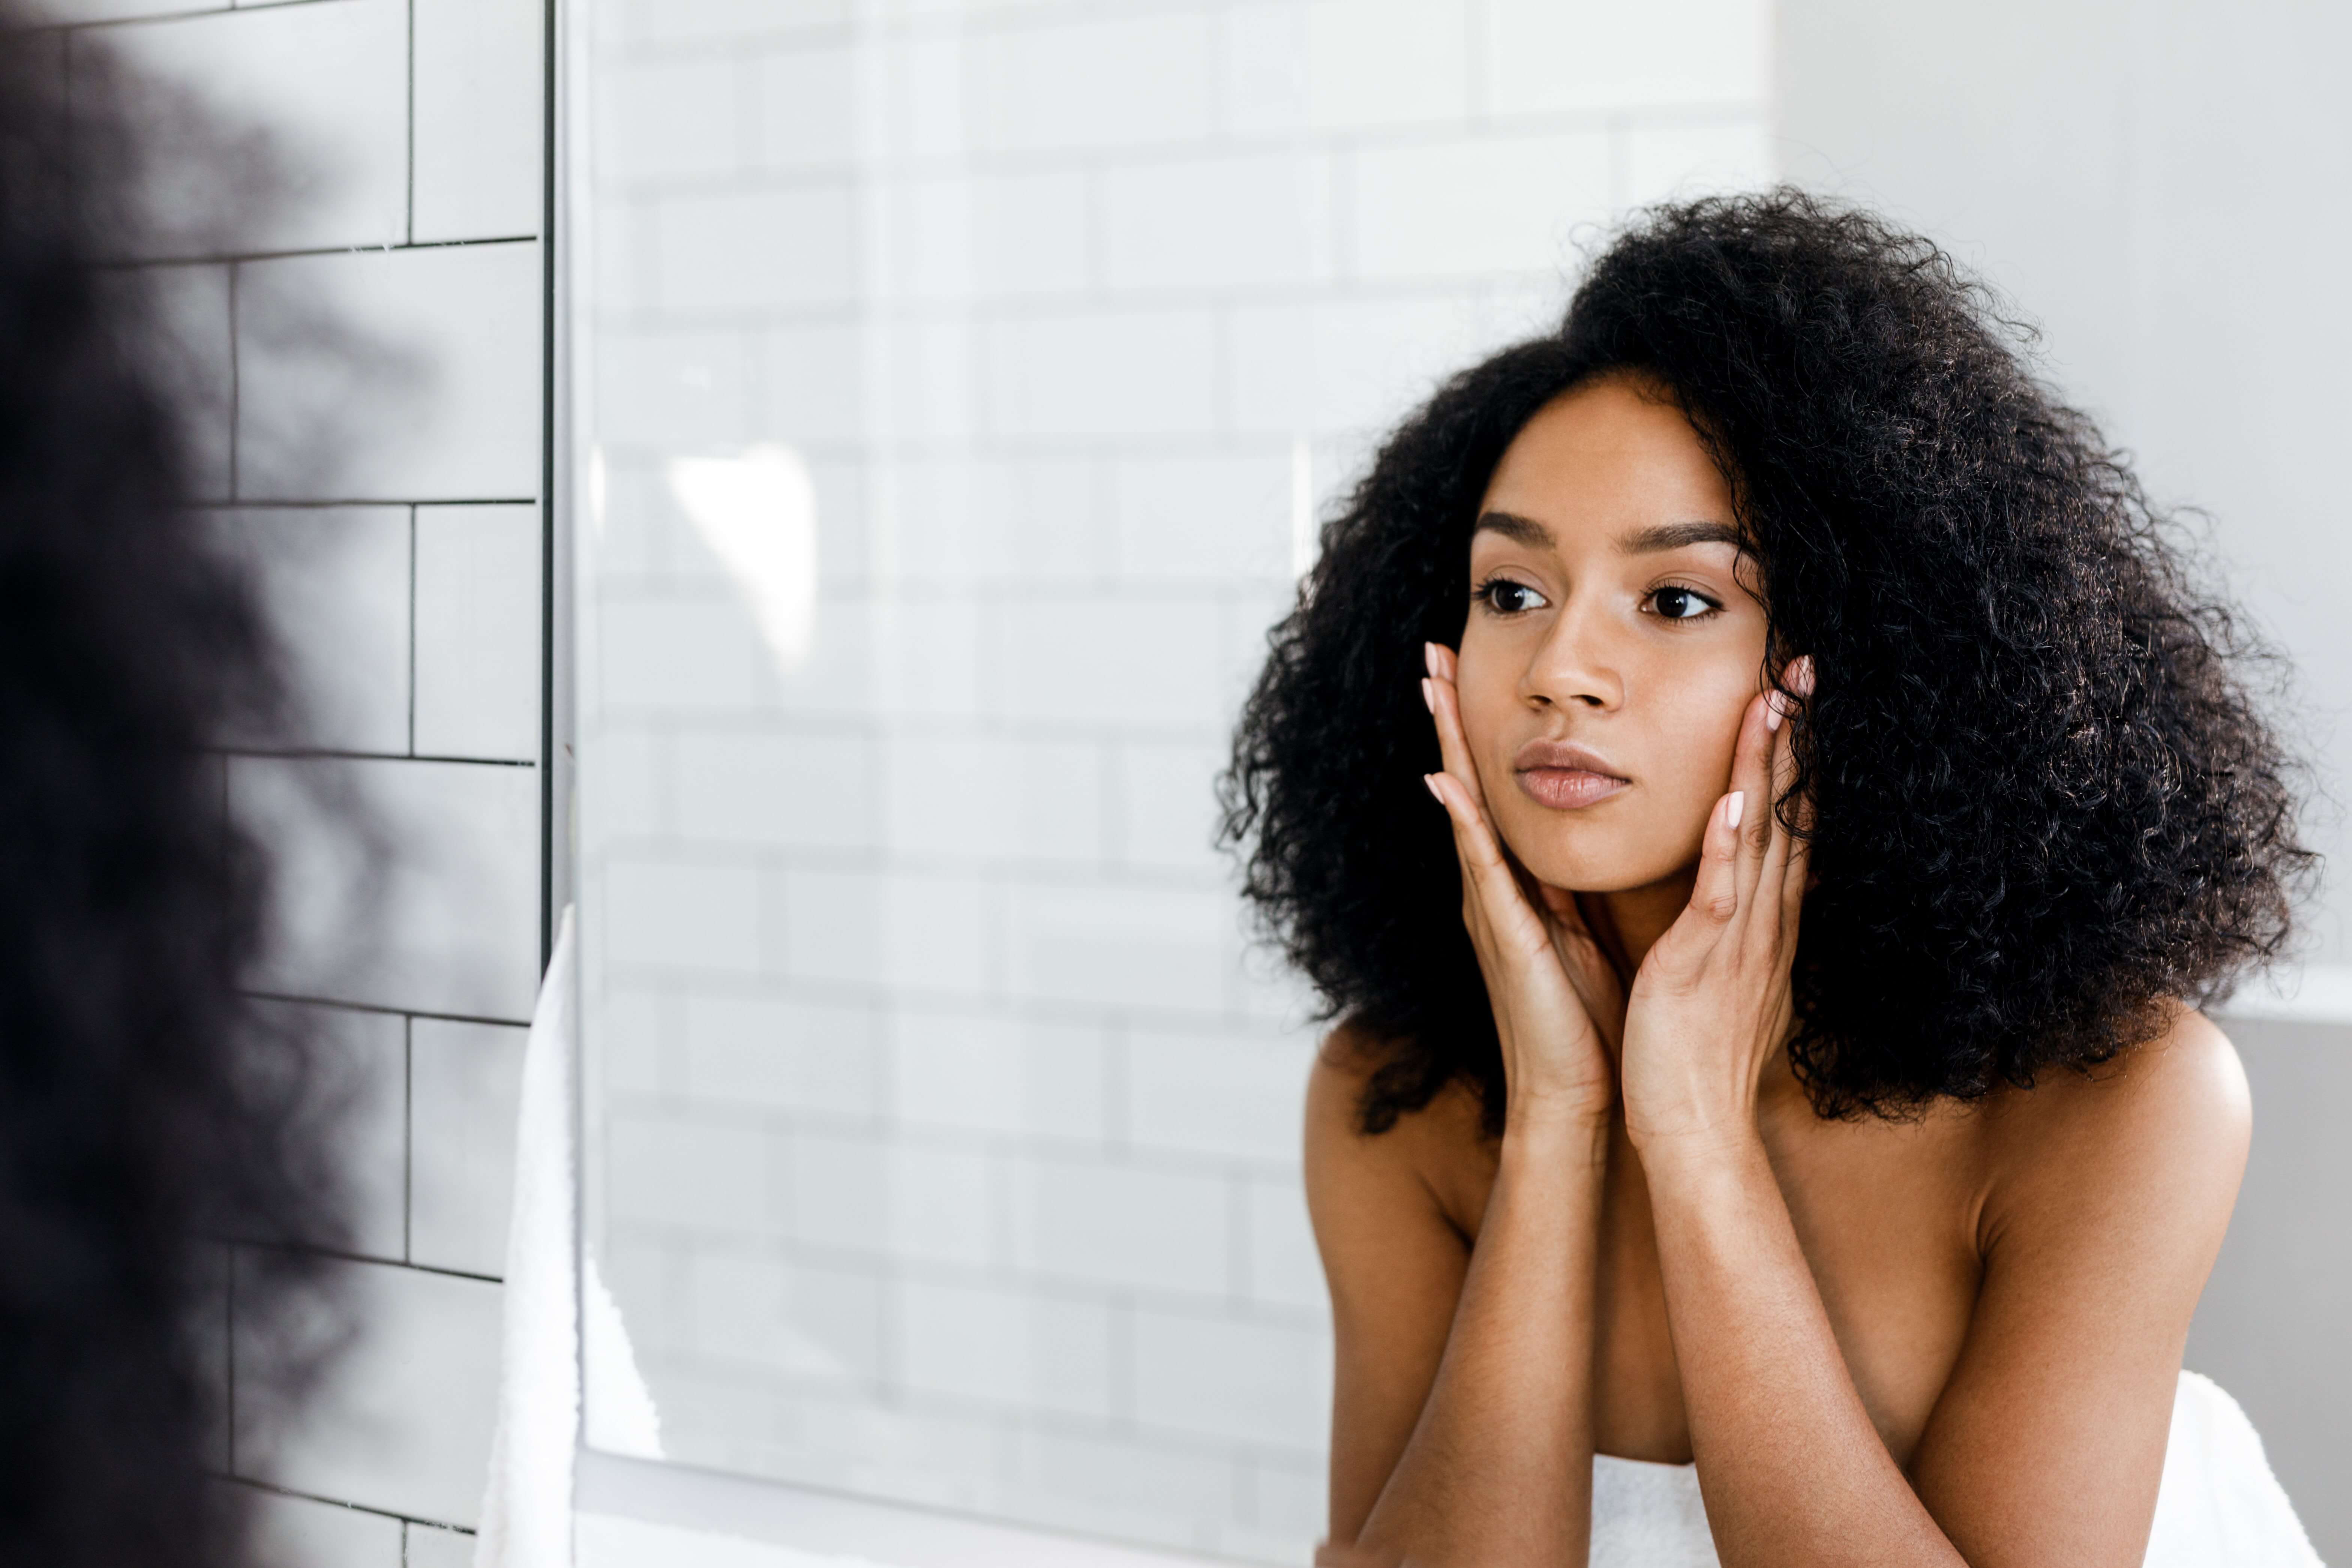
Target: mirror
<point>963,384</point>
<point>967,387</point>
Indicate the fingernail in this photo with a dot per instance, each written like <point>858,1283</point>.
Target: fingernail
<point>1801,676</point>
<point>1429,656</point>
<point>1429,781</point>
<point>1734,807</point>
<point>1429,694</point>
<point>1771,712</point>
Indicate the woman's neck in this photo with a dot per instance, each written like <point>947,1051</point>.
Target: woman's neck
<point>1628,924</point>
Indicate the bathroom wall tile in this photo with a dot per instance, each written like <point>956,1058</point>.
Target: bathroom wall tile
<point>672,1170</point>
<point>450,926</point>
<point>805,788</point>
<point>683,914</point>
<point>1149,659</point>
<point>71,11</point>
<point>1256,221</point>
<point>675,391</point>
<point>191,310</point>
<point>748,1052</point>
<point>440,345</point>
<point>804,111</point>
<point>1011,1348</point>
<point>1209,518</point>
<point>810,1322</point>
<point>1004,1074</point>
<point>431,1546</point>
<point>478,631</point>
<point>706,21</point>
<point>812,380</point>
<point>331,85</point>
<point>1114,82</point>
<point>1665,163</point>
<point>404,1424</point>
<point>1224,1092</point>
<point>1285,1271</point>
<point>1074,374</point>
<point>701,654</point>
<point>757,250</point>
<point>1545,55</point>
<point>480,112</point>
<point>990,798</point>
<point>1120,1225</point>
<point>1231,1381</point>
<point>1166,805</point>
<point>336,583</point>
<point>324,1534</point>
<point>464,1088</point>
<point>1348,364</point>
<point>887,1198</point>
<point>907,931</point>
<point>1478,206</point>
<point>363,1068</point>
<point>664,120</point>
<point>1386,62</point>
<point>1115,946</point>
<point>1013,234</point>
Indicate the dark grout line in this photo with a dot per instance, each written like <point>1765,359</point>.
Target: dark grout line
<point>342,1256</point>
<point>236,504</point>
<point>324,754</point>
<point>411,1013</point>
<point>272,1487</point>
<point>135,263</point>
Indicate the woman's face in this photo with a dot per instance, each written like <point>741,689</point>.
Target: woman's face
<point>1611,647</point>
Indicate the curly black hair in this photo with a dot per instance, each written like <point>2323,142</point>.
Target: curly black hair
<point>2046,799</point>
<point>150,1111</point>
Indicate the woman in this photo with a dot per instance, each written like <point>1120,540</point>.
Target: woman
<point>1775,1078</point>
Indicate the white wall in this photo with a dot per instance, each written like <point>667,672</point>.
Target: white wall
<point>411,590</point>
<point>951,1151</point>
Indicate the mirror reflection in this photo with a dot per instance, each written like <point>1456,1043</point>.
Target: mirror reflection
<point>1184,612</point>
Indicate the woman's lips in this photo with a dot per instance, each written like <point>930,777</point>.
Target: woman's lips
<point>1564,775</point>
<point>1565,789</point>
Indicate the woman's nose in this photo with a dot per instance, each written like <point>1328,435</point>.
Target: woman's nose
<point>1575,666</point>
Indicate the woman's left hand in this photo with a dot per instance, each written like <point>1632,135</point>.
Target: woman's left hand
<point>1711,1002</point>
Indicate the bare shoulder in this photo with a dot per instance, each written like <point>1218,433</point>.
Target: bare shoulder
<point>2168,1121</point>
<point>1440,1150</point>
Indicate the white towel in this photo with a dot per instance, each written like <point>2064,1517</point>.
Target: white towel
<point>526,1518</point>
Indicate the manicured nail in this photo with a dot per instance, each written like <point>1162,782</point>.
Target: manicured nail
<point>1429,694</point>
<point>1734,807</point>
<point>1771,712</point>
<point>1429,656</point>
<point>1801,676</point>
<point>1430,782</point>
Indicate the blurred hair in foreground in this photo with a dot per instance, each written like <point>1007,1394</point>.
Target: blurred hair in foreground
<point>150,1111</point>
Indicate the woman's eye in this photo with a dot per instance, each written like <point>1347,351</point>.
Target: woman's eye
<point>1506,597</point>
<point>1681,603</point>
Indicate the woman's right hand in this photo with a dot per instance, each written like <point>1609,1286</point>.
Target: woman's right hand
<point>1553,991</point>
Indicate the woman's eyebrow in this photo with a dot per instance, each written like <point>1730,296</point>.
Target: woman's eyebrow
<point>1527,530</point>
<point>1663,536</point>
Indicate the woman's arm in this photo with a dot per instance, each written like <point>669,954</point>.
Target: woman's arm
<point>2048,1441</point>
<point>1498,1469</point>
<point>1462,1416</point>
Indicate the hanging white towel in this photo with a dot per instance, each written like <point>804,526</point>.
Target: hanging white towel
<point>526,1519</point>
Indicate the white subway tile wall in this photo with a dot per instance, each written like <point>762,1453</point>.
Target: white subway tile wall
<point>947,1134</point>
<point>371,367</point>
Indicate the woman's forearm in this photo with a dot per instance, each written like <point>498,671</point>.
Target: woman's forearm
<point>1499,1468</point>
<point>1793,1469</point>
